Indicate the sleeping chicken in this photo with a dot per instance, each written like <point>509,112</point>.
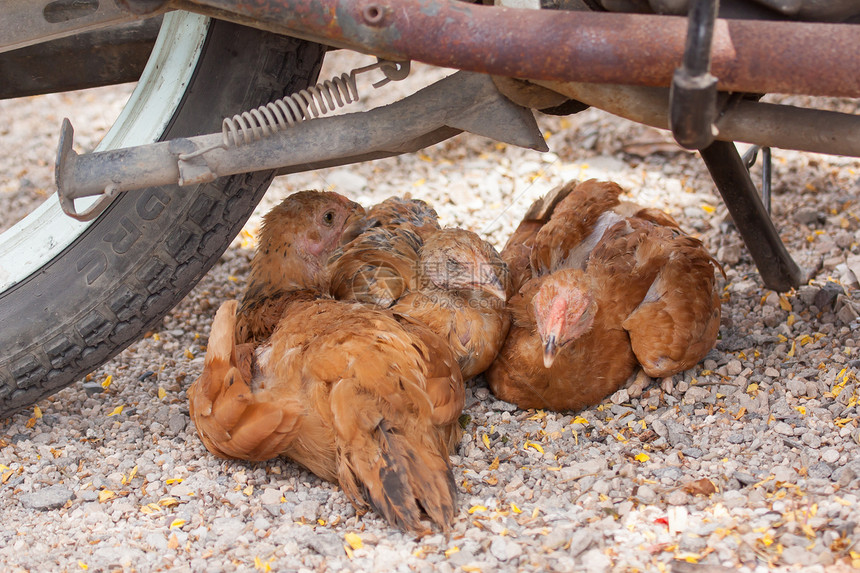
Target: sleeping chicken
<point>603,285</point>
<point>348,391</point>
<point>449,279</point>
<point>287,262</point>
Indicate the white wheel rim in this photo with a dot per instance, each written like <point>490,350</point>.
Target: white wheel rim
<point>35,240</point>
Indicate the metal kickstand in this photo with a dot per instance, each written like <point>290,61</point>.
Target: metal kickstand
<point>752,219</point>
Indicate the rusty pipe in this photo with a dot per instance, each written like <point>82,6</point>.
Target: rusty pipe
<point>768,125</point>
<point>635,49</point>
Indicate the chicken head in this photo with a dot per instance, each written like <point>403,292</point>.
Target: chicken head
<point>563,311</point>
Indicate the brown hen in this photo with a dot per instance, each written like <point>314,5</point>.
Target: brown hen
<point>351,393</point>
<point>462,284</point>
<point>449,279</point>
<point>608,285</point>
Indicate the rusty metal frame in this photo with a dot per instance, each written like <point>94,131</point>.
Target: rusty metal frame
<point>633,49</point>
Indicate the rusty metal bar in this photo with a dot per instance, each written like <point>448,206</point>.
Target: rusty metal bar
<point>765,124</point>
<point>748,55</point>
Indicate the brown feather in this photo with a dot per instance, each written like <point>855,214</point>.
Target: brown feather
<point>518,249</point>
<point>230,418</point>
<point>462,284</point>
<point>572,222</point>
<point>377,267</point>
<point>449,279</point>
<point>414,214</point>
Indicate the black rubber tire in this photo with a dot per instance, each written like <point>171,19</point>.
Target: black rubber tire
<point>149,249</point>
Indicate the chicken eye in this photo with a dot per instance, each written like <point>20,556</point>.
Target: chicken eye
<point>328,218</point>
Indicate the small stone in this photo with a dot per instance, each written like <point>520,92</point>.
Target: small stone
<point>619,411</point>
<point>307,510</point>
<point>745,478</point>
<point>811,440</point>
<point>262,524</point>
<point>729,254</point>
<point>182,490</point>
<point>87,495</point>
<point>677,497</point>
<point>501,406</point>
<point>796,387</point>
<point>600,486</point>
<point>669,473</point>
<point>783,429</point>
<point>503,549</point>
<point>846,474</point>
<point>51,497</point>
<point>847,314</point>
<point>735,438</point>
<point>677,434</point>
<point>594,561</point>
<point>326,543</point>
<point>620,397</point>
<point>458,559</point>
<point>808,216</point>
<point>784,474</point>
<point>696,394</point>
<point>228,527</point>
<point>157,541</point>
<point>93,387</point>
<point>270,496</point>
<point>694,452</point>
<point>580,541</point>
<point>830,455</point>
<point>734,367</point>
<point>555,539</point>
<point>177,422</point>
<point>827,295</point>
<point>820,470</point>
<point>645,494</point>
<point>797,555</point>
<point>273,509</point>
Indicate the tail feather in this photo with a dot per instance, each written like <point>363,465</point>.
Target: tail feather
<point>395,468</point>
<point>217,364</point>
<point>399,479</point>
<point>233,420</point>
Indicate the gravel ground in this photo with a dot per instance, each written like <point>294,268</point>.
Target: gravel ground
<point>749,461</point>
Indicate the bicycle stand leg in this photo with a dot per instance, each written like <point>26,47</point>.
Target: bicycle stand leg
<point>775,265</point>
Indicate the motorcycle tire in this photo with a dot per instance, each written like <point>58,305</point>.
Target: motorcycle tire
<point>139,258</point>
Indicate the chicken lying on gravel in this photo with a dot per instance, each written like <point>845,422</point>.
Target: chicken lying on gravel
<point>449,279</point>
<point>602,285</point>
<point>353,394</point>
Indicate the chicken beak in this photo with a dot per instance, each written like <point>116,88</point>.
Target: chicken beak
<point>490,283</point>
<point>354,225</point>
<point>550,349</point>
<point>493,286</point>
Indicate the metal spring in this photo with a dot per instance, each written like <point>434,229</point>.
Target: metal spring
<point>278,115</point>
<point>306,104</point>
